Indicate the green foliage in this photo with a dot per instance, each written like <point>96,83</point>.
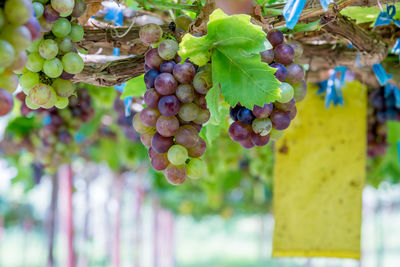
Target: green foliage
<point>134,87</point>
<point>21,126</point>
<point>102,96</point>
<point>366,14</point>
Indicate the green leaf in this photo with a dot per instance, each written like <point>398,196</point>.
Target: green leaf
<point>212,132</point>
<point>212,98</point>
<point>307,27</point>
<point>134,87</point>
<point>244,78</point>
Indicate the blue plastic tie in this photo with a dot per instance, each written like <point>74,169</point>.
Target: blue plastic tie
<point>396,47</point>
<point>397,96</point>
<point>79,137</point>
<point>46,120</point>
<point>292,11</point>
<point>386,17</point>
<point>325,3</point>
<point>380,74</point>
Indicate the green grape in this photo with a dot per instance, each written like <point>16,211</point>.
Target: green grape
<point>53,68</point>
<point>275,134</point>
<point>262,126</point>
<point>45,26</point>
<point>35,62</point>
<point>196,168</point>
<point>8,81</point>
<point>76,32</point>
<point>7,54</point>
<point>287,93</point>
<point>30,104</point>
<point>183,22</point>
<point>65,44</point>
<point>34,46</point>
<point>18,12</point>
<point>62,102</point>
<point>52,101</point>
<point>167,49</point>
<point>72,63</point>
<point>64,7</point>
<point>19,37</point>
<point>28,80</point>
<point>61,28</point>
<point>48,48</point>
<point>64,88</point>
<point>38,8</point>
<point>40,94</point>
<point>177,155</point>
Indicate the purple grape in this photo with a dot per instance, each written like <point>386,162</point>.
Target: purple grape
<point>202,82</point>
<point>159,162</point>
<point>233,112</point>
<point>185,72</point>
<point>267,56</point>
<point>167,66</point>
<point>281,71</point>
<point>284,54</point>
<point>292,113</point>
<point>167,126</point>
<point>169,105</point>
<point>151,98</point>
<point>263,112</point>
<point>185,93</point>
<point>176,175</point>
<point>275,38</point>
<point>238,132</point>
<point>196,126</point>
<point>285,106</point>
<point>149,116</point>
<point>259,140</point>
<point>201,101</point>
<point>150,33</point>
<point>247,143</point>
<point>187,136</point>
<point>33,26</point>
<point>198,150</point>
<point>146,68</point>
<point>152,59</point>
<point>50,15</point>
<point>245,116</point>
<point>66,76</point>
<point>280,120</point>
<point>150,77</point>
<point>165,84</point>
<point>295,73</point>
<point>297,47</point>
<point>146,139</point>
<point>161,144</point>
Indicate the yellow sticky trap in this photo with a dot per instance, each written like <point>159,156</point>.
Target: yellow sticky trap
<point>319,177</point>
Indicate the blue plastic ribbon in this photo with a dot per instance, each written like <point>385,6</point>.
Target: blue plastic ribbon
<point>381,74</point>
<point>386,17</point>
<point>325,3</point>
<point>396,47</point>
<point>292,11</point>
<point>333,87</point>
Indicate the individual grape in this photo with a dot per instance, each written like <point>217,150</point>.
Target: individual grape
<point>152,59</point>
<point>167,49</point>
<point>203,117</point>
<point>196,126</point>
<point>64,88</point>
<point>146,139</point>
<point>72,63</point>
<point>65,44</point>
<point>300,91</point>
<point>275,38</point>
<point>19,61</point>
<point>48,48</point>
<point>64,7</point>
<point>276,134</point>
<point>287,93</point>
<point>28,80</point>
<point>189,112</point>
<point>263,112</point>
<point>35,62</point>
<point>18,36</point>
<point>292,113</point>
<point>33,26</point>
<point>238,132</point>
<point>34,46</point>
<point>183,22</point>
<point>247,143</point>
<point>262,126</point>
<point>185,93</point>
<point>146,68</point>
<point>165,84</point>
<point>18,12</point>
<point>161,144</point>
<point>196,168</point>
<point>167,126</point>
<point>38,8</point>
<point>7,54</point>
<point>198,150</point>
<point>77,32</point>
<point>140,127</point>
<point>267,56</point>
<point>52,101</point>
<point>233,112</point>
<point>176,175</point>
<point>150,77</point>
<point>280,120</point>
<point>61,28</point>
<point>285,106</point>
<point>169,105</point>
<point>30,104</point>
<point>187,136</point>
<point>150,33</point>
<point>177,155</point>
<point>280,72</point>
<point>202,82</point>
<point>62,102</point>
<point>66,76</point>
<point>245,116</point>
<point>40,94</point>
<point>295,73</point>
<point>159,162</point>
<point>6,102</point>
<point>79,8</point>
<point>184,73</point>
<point>45,26</point>
<point>149,116</point>
<point>201,101</point>
<point>8,81</point>
<point>152,153</point>
<point>50,15</point>
<point>297,47</point>
<point>259,140</point>
<point>167,67</point>
<point>53,68</point>
<point>283,54</point>
<point>151,98</point>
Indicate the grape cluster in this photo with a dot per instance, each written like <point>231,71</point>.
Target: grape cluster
<point>53,59</point>
<point>18,28</point>
<point>175,110</point>
<point>381,109</point>
<point>256,127</point>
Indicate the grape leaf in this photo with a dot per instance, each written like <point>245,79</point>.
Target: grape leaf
<point>212,99</point>
<point>134,87</point>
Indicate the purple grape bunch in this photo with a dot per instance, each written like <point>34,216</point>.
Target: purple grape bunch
<point>258,126</point>
<point>175,109</point>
